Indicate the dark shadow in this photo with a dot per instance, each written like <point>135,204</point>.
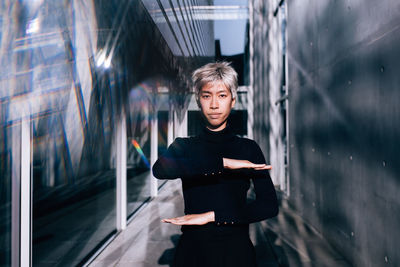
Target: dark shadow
<point>277,253</point>
<point>167,256</point>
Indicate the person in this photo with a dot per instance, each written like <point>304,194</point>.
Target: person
<point>216,167</point>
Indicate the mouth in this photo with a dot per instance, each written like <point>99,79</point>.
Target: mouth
<point>214,115</point>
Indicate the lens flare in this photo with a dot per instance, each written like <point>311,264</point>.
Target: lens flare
<point>140,151</point>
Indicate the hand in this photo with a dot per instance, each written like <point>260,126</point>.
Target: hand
<point>239,164</point>
<point>192,219</point>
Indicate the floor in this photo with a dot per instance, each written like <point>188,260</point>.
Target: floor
<point>281,241</point>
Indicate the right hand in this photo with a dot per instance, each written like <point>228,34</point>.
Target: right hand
<point>240,164</point>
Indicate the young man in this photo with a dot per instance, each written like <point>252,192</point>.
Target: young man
<point>216,168</point>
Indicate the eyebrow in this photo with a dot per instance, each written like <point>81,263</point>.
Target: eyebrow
<point>209,92</point>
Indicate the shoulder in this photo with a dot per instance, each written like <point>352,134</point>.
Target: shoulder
<point>181,141</point>
<point>252,149</point>
<point>184,141</point>
<point>249,143</point>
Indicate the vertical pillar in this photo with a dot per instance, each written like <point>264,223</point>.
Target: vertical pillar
<point>121,143</point>
<point>250,91</point>
<point>287,171</point>
<point>21,195</point>
<point>154,152</point>
<point>26,196</point>
<point>170,137</point>
<point>181,126</point>
<point>15,195</point>
<point>177,130</point>
<point>184,124</point>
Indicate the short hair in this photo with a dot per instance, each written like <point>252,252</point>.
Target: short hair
<point>215,72</point>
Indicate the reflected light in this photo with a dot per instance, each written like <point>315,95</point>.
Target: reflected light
<point>140,151</point>
<point>100,58</point>
<point>107,62</point>
<point>33,26</point>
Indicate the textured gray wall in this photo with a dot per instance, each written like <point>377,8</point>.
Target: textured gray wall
<point>344,62</point>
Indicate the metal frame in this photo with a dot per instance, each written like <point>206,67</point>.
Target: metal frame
<point>170,125</point>
<point>153,152</point>
<point>121,182</point>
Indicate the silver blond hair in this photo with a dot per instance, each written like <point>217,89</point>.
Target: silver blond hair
<point>215,72</point>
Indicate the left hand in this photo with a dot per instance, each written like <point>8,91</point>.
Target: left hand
<point>192,219</point>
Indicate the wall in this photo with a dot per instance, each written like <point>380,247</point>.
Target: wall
<point>344,113</point>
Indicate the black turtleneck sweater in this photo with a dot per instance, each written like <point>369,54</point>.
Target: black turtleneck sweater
<point>207,186</point>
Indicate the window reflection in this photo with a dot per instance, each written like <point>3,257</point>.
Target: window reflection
<point>71,68</point>
<point>138,150</point>
<point>5,194</point>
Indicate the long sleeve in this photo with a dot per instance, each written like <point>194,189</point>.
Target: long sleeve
<point>263,207</point>
<point>178,162</point>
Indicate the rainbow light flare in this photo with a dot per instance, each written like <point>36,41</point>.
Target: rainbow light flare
<point>140,151</point>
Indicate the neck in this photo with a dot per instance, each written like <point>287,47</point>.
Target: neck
<point>219,128</point>
<point>217,135</point>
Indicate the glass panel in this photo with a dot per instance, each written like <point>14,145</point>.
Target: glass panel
<point>162,131</point>
<point>48,69</point>
<point>162,137</point>
<point>5,191</point>
<point>138,150</point>
<point>73,66</point>
<point>73,149</point>
<point>73,205</point>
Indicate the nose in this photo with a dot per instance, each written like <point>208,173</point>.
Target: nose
<point>214,103</point>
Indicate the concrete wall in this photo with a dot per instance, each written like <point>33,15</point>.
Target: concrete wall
<point>344,114</point>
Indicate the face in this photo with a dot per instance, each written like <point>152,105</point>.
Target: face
<point>215,101</point>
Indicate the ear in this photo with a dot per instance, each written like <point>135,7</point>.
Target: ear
<point>233,102</point>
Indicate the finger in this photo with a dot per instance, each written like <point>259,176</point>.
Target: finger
<point>262,169</point>
<point>168,220</point>
<point>175,222</point>
<point>179,222</point>
<point>257,165</point>
<point>266,167</point>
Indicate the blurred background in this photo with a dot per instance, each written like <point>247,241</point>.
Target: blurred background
<point>92,91</point>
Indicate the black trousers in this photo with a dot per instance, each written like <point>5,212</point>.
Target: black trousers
<point>211,246</point>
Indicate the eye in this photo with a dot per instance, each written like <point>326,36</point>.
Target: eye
<point>223,95</point>
<point>205,96</point>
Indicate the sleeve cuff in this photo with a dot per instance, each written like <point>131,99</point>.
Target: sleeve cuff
<point>222,218</point>
<point>215,166</point>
